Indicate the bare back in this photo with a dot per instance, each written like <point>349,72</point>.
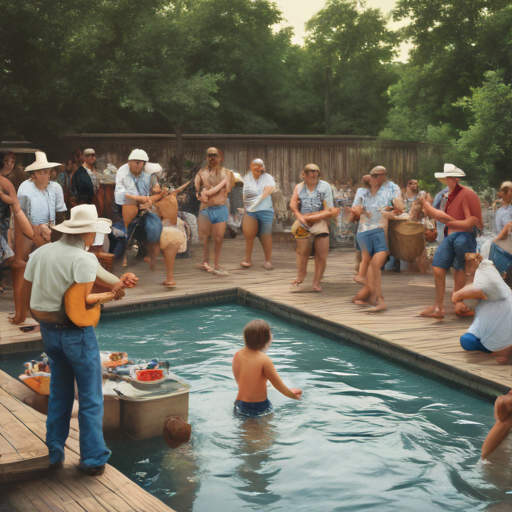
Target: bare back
<point>248,369</point>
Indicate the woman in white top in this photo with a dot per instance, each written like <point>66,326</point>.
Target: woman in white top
<point>259,212</point>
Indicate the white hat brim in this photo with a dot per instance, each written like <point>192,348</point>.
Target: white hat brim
<point>443,175</point>
<point>100,226</point>
<point>40,167</point>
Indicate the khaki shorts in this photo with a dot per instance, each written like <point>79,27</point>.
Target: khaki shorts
<point>173,237</point>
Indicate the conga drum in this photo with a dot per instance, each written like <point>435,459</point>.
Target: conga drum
<point>406,239</point>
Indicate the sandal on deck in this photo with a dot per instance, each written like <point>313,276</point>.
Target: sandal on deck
<point>245,264</point>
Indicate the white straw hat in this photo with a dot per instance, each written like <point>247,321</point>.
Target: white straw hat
<point>151,168</point>
<point>450,171</point>
<point>41,163</point>
<point>139,154</point>
<point>84,219</point>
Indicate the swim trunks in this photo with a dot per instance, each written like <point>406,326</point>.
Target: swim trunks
<point>216,214</point>
<point>252,409</point>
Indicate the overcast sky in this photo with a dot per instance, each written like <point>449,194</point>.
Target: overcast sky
<point>297,12</point>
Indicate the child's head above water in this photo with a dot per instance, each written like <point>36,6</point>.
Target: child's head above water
<point>257,335</point>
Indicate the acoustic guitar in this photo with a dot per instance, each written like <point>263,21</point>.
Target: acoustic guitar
<point>78,311</point>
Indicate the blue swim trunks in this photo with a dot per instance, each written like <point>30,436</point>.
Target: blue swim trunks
<point>265,219</point>
<point>373,241</point>
<point>216,214</point>
<point>252,409</point>
<point>453,249</point>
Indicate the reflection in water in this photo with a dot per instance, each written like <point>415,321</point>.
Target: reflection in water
<point>254,450</point>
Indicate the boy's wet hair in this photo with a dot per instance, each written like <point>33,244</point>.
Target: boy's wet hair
<point>257,334</point>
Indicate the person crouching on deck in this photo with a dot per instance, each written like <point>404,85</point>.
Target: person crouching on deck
<point>73,351</point>
<point>252,368</point>
<point>213,184</point>
<point>491,328</point>
<point>462,215</point>
<point>312,204</point>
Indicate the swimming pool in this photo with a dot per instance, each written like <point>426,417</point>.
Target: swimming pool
<point>368,433</point>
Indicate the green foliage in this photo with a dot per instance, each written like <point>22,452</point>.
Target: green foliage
<point>486,147</point>
<point>352,49</point>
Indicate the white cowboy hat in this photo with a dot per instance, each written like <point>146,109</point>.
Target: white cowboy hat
<point>151,168</point>
<point>450,171</point>
<point>84,219</point>
<point>41,163</point>
<point>139,154</point>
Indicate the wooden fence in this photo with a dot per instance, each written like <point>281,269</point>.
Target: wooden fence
<point>339,157</point>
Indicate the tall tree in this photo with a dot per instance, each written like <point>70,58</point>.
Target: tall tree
<point>351,45</point>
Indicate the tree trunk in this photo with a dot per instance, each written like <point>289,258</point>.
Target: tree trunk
<point>328,87</point>
<point>178,159</point>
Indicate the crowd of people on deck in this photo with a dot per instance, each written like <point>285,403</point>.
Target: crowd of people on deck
<point>54,235</point>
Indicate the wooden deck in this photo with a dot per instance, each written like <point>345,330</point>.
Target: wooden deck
<point>23,455</point>
<point>400,327</point>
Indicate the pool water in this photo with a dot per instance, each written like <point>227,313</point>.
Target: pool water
<point>367,434</point>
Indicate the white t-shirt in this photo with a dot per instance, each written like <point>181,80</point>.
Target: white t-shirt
<point>40,205</point>
<point>53,268</point>
<point>253,188</point>
<point>493,317</point>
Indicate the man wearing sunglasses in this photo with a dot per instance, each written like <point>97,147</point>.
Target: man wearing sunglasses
<point>85,181</point>
<point>213,184</point>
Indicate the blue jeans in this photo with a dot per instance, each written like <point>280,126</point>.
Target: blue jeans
<point>74,354</point>
<point>453,249</point>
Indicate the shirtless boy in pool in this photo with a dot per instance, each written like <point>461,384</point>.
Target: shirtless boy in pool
<point>252,368</point>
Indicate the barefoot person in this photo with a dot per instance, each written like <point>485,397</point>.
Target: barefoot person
<point>502,427</point>
<point>491,329</point>
<point>312,204</point>
<point>259,212</point>
<point>252,369</point>
<point>136,192</point>
<point>174,236</point>
<point>354,216</point>
<point>213,184</point>
<point>73,351</point>
<point>463,213</point>
<point>374,203</point>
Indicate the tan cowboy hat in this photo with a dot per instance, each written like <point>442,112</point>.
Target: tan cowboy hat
<point>41,163</point>
<point>449,171</point>
<point>84,219</point>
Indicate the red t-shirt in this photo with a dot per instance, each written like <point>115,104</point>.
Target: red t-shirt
<point>455,206</point>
